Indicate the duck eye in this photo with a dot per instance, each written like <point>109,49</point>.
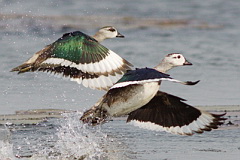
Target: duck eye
<point>179,57</point>
<point>112,30</point>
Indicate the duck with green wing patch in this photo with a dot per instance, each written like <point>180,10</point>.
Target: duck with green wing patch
<point>81,58</point>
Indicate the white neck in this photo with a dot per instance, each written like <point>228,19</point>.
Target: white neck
<point>99,37</point>
<point>163,67</point>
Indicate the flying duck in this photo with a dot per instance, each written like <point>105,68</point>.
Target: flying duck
<point>137,95</point>
<point>81,58</point>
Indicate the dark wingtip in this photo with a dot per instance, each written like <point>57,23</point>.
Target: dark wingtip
<point>192,83</point>
<point>218,120</point>
<point>220,117</point>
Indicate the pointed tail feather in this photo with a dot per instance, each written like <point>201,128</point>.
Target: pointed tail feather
<point>26,67</point>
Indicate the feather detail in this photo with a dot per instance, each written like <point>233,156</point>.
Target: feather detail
<point>168,113</point>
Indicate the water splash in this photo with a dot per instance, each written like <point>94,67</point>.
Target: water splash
<point>6,151</point>
<point>75,140</point>
<point>6,148</point>
<point>64,138</point>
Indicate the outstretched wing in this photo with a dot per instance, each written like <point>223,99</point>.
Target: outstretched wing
<point>127,85</point>
<point>145,75</point>
<point>169,113</point>
<point>80,57</point>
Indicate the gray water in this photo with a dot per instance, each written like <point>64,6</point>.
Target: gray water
<point>206,32</point>
<point>68,139</point>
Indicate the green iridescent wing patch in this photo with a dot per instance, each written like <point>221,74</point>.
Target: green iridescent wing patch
<point>77,47</point>
<point>81,58</point>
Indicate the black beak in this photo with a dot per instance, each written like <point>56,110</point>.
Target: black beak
<point>119,35</point>
<point>187,63</point>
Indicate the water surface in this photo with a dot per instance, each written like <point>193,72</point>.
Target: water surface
<point>206,32</point>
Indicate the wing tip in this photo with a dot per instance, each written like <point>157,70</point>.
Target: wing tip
<point>216,121</point>
<point>191,83</point>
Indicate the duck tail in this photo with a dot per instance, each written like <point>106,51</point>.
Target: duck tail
<point>25,67</point>
<point>94,116</point>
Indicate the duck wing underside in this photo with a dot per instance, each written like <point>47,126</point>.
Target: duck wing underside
<point>169,113</point>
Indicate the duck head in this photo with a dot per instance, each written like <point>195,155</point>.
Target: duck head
<point>176,59</point>
<point>107,32</point>
<point>172,60</point>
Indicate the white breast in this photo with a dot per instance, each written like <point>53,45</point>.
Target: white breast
<point>136,97</point>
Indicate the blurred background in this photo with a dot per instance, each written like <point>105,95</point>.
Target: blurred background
<point>206,32</point>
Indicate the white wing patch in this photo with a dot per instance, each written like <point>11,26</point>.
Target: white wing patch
<point>54,61</point>
<point>198,125</point>
<point>102,82</point>
<point>127,83</point>
<point>107,65</point>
